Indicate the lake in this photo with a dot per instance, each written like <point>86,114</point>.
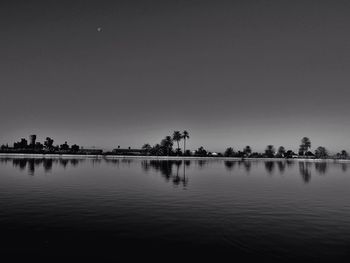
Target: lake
<point>104,207</point>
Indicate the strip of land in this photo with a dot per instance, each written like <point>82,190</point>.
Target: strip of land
<point>100,156</point>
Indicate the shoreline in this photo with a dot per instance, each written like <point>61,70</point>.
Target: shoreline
<point>93,156</point>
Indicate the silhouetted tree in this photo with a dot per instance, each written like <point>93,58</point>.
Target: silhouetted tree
<point>344,154</point>
<point>321,152</point>
<point>229,152</point>
<point>48,143</point>
<point>75,148</point>
<point>64,147</point>
<point>188,153</point>
<point>157,150</point>
<point>38,146</point>
<point>270,151</point>
<point>167,145</point>
<point>23,144</point>
<point>177,136</point>
<point>289,154</point>
<point>32,140</point>
<point>247,150</point>
<point>185,136</point>
<point>178,152</point>
<point>281,152</point>
<point>147,148</point>
<point>255,155</point>
<point>305,145</point>
<point>201,152</point>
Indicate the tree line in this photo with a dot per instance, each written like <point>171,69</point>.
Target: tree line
<point>270,152</point>
<point>166,145</point>
<point>34,146</point>
<point>170,146</point>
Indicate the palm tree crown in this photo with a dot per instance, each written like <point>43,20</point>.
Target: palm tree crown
<point>177,137</point>
<point>185,136</point>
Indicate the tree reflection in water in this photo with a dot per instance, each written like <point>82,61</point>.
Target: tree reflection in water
<point>321,167</point>
<point>165,168</point>
<point>230,165</point>
<point>175,170</point>
<point>344,167</point>
<point>281,166</point>
<point>269,166</point>
<point>32,164</point>
<point>305,172</point>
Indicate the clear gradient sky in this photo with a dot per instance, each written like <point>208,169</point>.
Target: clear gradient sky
<point>232,73</point>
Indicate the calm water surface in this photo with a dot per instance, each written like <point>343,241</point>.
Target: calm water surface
<point>277,210</point>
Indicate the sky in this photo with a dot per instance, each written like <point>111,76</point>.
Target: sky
<point>232,73</point>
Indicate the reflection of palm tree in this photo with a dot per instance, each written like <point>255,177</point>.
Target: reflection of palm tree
<point>165,169</point>
<point>176,179</point>
<point>184,179</point>
<point>185,136</point>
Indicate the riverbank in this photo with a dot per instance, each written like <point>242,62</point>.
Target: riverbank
<point>84,156</point>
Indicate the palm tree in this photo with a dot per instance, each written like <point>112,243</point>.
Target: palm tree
<point>185,136</point>
<point>177,137</point>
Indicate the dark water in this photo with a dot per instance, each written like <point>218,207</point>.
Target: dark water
<point>97,207</point>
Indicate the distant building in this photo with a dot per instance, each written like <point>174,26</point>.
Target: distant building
<point>91,151</point>
<point>129,151</point>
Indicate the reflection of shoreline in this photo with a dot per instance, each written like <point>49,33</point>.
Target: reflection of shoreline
<point>76,156</point>
<point>165,167</point>
<point>178,175</point>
